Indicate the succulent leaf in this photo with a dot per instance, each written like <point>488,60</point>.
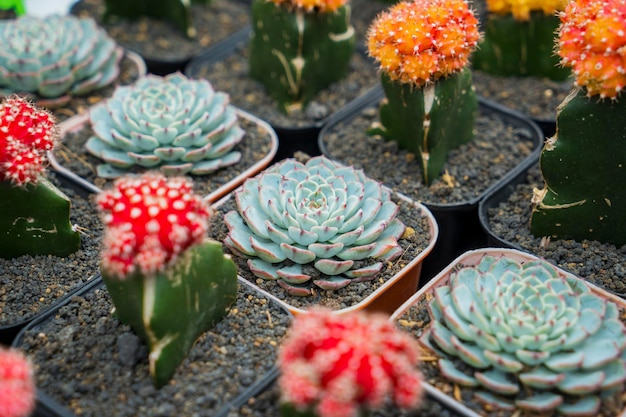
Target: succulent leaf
<point>177,125</point>
<point>543,333</point>
<point>307,212</point>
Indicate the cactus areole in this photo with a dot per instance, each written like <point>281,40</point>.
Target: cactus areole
<point>584,164</point>
<point>34,214</point>
<point>166,280</point>
<point>299,47</point>
<point>17,384</point>
<point>423,48</point>
<point>346,365</point>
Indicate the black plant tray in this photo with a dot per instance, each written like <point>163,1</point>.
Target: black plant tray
<point>459,226</point>
<point>47,406</point>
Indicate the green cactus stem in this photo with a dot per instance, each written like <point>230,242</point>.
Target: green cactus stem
<point>16,5</point>
<point>584,167</point>
<point>169,310</point>
<point>34,220</point>
<point>431,120</point>
<point>296,54</point>
<point>176,11</point>
<point>512,47</point>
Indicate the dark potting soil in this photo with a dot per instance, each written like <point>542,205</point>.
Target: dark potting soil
<point>352,294</point>
<point>599,263</point>
<point>30,284</point>
<point>496,149</point>
<point>255,145</point>
<point>129,73</point>
<point>416,320</point>
<point>93,365</point>
<point>160,40</point>
<point>231,76</point>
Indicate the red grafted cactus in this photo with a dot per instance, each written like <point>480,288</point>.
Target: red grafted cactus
<point>592,41</point>
<point>149,221</point>
<point>341,365</point>
<point>322,6</point>
<point>422,40</point>
<point>17,385</point>
<point>26,134</point>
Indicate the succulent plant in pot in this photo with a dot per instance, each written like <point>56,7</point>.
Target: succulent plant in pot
<point>34,214</point>
<point>317,227</point>
<point>583,164</point>
<point>430,104</point>
<point>347,365</point>
<point>157,260</point>
<point>55,59</point>
<point>17,385</point>
<point>521,335</point>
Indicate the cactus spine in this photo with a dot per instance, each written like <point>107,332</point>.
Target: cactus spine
<point>34,214</point>
<point>176,11</point>
<point>166,280</point>
<point>298,51</point>
<point>519,40</point>
<point>584,165</point>
<point>430,104</point>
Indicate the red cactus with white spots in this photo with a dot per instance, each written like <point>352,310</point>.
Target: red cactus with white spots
<point>26,134</point>
<point>17,384</point>
<point>592,41</point>
<point>340,364</point>
<point>150,220</point>
<point>420,41</point>
<point>322,6</point>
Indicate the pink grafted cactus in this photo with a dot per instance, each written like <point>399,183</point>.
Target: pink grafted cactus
<point>26,134</point>
<point>340,365</point>
<point>150,220</point>
<point>592,41</point>
<point>17,385</point>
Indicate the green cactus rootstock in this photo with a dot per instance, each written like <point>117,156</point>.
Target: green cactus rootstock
<point>169,310</point>
<point>176,11</point>
<point>512,47</point>
<point>16,5</point>
<point>429,121</point>
<point>584,167</point>
<point>296,54</point>
<point>35,220</point>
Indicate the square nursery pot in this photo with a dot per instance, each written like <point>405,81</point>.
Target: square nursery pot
<point>413,317</point>
<point>132,67</point>
<point>31,286</point>
<point>505,217</point>
<point>163,46</point>
<point>88,363</point>
<point>225,66</point>
<point>397,282</point>
<point>258,147</point>
<point>504,143</point>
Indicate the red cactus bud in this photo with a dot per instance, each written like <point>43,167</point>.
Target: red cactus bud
<point>26,134</point>
<point>149,220</point>
<point>340,363</point>
<point>17,384</point>
<point>422,40</point>
<point>520,9</point>
<point>592,41</point>
<point>322,6</point>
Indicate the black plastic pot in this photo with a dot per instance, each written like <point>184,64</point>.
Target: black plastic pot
<point>459,226</point>
<point>9,331</point>
<point>292,137</point>
<point>49,406</point>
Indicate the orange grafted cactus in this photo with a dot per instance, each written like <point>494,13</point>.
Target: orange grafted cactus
<point>322,6</point>
<point>520,9</point>
<point>420,41</point>
<point>592,41</point>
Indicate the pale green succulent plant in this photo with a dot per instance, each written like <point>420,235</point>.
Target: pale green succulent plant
<point>319,213</point>
<point>56,58</point>
<point>173,124</point>
<point>527,337</point>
